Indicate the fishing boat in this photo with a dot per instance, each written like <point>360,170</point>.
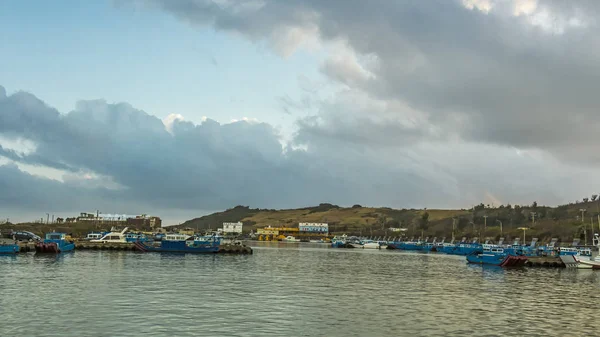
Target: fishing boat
<point>192,245</point>
<point>132,237</point>
<point>447,248</point>
<point>55,243</point>
<point>467,248</point>
<point>338,242</point>
<point>572,258</point>
<point>497,256</point>
<point>94,236</point>
<point>8,248</point>
<point>113,237</point>
<point>410,245</point>
<point>370,244</point>
<point>290,238</point>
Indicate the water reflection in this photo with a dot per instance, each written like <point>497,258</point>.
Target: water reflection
<point>299,290</point>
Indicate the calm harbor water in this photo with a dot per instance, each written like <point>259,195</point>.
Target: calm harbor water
<point>289,290</point>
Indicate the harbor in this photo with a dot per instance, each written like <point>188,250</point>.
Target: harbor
<point>379,289</point>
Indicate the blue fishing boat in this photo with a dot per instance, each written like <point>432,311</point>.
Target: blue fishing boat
<point>9,248</point>
<point>497,256</point>
<point>339,242</point>
<point>133,237</point>
<point>467,248</point>
<point>447,248</point>
<point>55,243</point>
<point>178,243</point>
<point>411,245</point>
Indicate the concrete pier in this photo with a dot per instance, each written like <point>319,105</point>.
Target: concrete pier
<point>547,262</point>
<point>25,247</point>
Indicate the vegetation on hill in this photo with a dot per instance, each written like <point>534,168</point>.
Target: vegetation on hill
<point>482,221</point>
<point>564,222</point>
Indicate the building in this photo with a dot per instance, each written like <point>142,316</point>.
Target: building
<point>136,221</point>
<point>232,227</point>
<point>313,227</point>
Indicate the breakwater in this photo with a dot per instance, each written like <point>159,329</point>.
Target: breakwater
<point>223,249</point>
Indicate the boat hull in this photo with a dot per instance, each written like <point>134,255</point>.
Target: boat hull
<point>574,261</point>
<point>497,260</point>
<point>371,245</point>
<point>9,249</point>
<point>53,247</point>
<point>176,247</point>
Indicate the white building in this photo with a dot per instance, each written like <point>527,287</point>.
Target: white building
<point>313,227</point>
<point>232,227</point>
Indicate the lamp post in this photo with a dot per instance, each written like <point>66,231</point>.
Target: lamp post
<point>583,210</point>
<point>523,229</point>
<point>453,228</point>
<point>485,223</point>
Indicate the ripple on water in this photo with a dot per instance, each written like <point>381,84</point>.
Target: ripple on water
<point>295,291</point>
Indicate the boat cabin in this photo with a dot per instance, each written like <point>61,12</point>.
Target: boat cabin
<point>568,251</point>
<point>492,249</point>
<point>176,237</point>
<point>93,236</point>
<point>56,236</point>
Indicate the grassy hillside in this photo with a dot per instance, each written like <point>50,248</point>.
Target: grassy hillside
<point>563,222</point>
<point>482,221</point>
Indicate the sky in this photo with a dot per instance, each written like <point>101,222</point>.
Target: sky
<point>180,108</point>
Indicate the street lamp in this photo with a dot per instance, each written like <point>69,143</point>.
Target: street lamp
<point>523,229</point>
<point>485,223</point>
<point>583,210</point>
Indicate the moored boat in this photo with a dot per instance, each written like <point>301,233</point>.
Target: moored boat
<point>113,237</point>
<point>497,256</point>
<point>370,244</point>
<point>8,248</point>
<point>193,245</point>
<point>572,258</point>
<point>290,238</point>
<point>55,243</point>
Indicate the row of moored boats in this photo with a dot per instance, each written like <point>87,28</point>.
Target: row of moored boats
<point>57,243</point>
<point>499,254</point>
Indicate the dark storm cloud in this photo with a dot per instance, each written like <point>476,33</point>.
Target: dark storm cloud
<point>132,160</point>
<point>520,80</point>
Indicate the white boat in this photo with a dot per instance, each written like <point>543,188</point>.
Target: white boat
<point>93,236</point>
<point>370,244</point>
<point>113,237</point>
<point>290,239</point>
<point>317,241</point>
<point>572,258</point>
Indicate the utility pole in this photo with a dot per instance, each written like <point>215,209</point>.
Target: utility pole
<point>52,218</point>
<point>501,233</point>
<point>523,229</point>
<point>533,214</point>
<point>47,218</point>
<point>453,228</point>
<point>485,223</point>
<point>583,210</point>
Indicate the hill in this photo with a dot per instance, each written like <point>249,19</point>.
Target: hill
<point>563,222</point>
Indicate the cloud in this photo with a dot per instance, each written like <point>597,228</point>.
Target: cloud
<point>514,73</point>
<point>429,103</point>
<point>118,158</point>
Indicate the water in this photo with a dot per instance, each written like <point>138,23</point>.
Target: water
<point>289,290</point>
